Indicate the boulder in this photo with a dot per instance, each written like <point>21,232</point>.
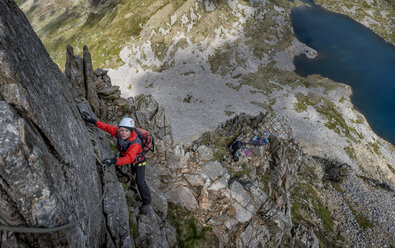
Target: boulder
<point>214,169</point>
<point>205,154</point>
<point>109,91</point>
<point>242,214</point>
<point>155,232</point>
<point>182,196</point>
<point>239,194</point>
<point>99,72</point>
<point>159,201</point>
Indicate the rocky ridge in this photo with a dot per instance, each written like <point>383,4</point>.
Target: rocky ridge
<point>279,196</point>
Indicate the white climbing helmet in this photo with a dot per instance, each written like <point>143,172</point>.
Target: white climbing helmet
<point>127,122</point>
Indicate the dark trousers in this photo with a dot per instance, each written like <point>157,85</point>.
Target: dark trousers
<point>141,184</point>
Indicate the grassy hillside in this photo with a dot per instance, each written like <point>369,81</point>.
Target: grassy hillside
<point>106,28</point>
<point>109,27</point>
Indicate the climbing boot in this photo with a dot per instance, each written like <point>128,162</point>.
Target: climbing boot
<point>144,209</point>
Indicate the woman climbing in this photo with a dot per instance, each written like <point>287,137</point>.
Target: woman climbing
<point>131,152</point>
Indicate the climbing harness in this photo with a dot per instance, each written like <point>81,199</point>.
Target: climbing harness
<point>24,229</point>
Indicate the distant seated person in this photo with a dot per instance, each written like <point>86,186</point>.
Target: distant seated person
<point>131,152</point>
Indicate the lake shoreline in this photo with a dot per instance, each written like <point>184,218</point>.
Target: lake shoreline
<point>343,60</point>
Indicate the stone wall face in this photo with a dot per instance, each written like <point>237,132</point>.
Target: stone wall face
<point>48,172</point>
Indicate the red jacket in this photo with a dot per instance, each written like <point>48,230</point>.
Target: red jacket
<point>133,151</point>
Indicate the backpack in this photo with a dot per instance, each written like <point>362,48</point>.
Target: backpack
<point>234,148</point>
<point>147,142</point>
<point>143,138</point>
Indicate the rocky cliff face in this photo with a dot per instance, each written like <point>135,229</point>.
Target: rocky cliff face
<point>48,173</point>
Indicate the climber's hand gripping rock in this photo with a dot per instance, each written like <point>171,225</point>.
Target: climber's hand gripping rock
<point>87,117</point>
<point>109,161</point>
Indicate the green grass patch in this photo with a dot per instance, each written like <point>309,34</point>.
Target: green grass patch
<point>303,197</point>
<point>261,79</point>
<point>244,171</point>
<point>362,221</point>
<point>151,85</point>
<point>350,151</point>
<point>125,107</point>
<point>187,99</point>
<point>219,155</point>
<point>303,100</point>
<point>375,147</point>
<point>221,143</point>
<point>306,204</point>
<point>265,180</point>
<point>19,2</point>
<point>336,122</point>
<point>300,107</point>
<point>189,232</point>
<point>133,226</point>
<point>324,215</point>
<point>337,187</point>
<point>359,120</point>
<point>105,30</point>
<point>57,23</point>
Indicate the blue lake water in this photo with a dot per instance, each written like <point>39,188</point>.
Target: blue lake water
<point>350,53</point>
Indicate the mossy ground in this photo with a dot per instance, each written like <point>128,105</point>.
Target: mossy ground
<point>307,205</point>
<point>221,144</point>
<point>362,221</point>
<point>336,121</point>
<point>391,168</point>
<point>350,151</point>
<point>106,29</point>
<point>189,232</point>
<point>303,101</point>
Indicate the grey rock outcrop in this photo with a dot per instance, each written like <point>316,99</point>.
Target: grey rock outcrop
<point>276,197</point>
<point>112,92</point>
<point>48,172</point>
<point>74,71</point>
<point>152,230</point>
<point>240,210</point>
<point>91,93</point>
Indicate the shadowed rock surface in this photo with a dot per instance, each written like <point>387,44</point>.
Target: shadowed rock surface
<point>48,172</point>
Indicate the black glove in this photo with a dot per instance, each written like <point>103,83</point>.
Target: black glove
<point>109,161</point>
<point>87,117</point>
